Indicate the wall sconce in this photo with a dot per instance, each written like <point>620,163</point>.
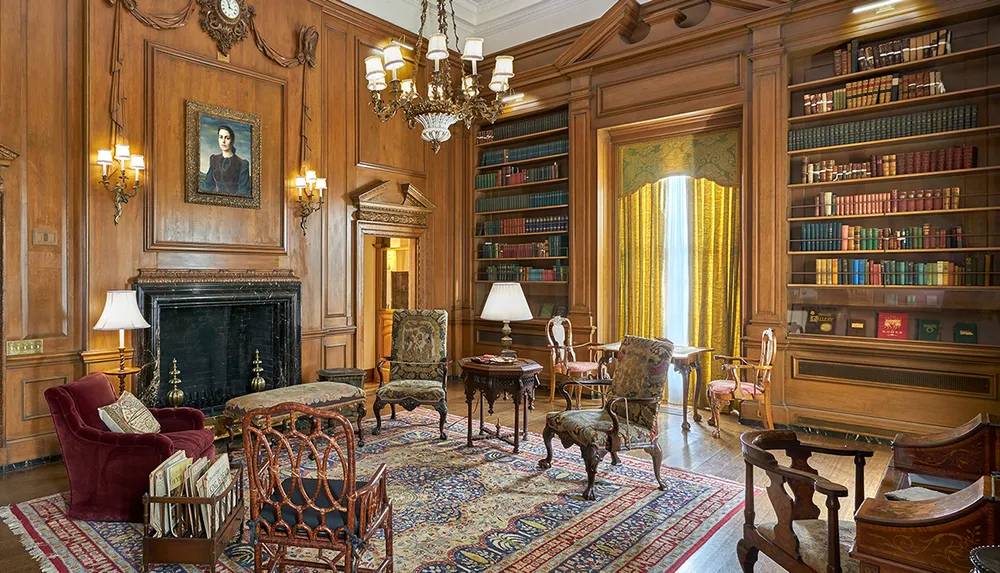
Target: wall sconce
<point>120,188</point>
<point>308,202</point>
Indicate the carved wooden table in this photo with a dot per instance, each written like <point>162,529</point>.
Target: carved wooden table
<point>685,359</point>
<point>518,379</point>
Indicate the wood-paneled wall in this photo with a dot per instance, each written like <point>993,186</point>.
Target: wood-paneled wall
<point>55,91</point>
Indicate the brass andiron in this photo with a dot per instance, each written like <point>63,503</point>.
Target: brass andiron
<point>175,397</point>
<point>257,383</point>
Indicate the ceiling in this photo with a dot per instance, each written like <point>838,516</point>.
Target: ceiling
<point>502,23</point>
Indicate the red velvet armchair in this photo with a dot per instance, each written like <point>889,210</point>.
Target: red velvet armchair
<point>108,472</point>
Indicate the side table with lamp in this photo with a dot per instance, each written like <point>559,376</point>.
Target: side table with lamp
<point>121,313</point>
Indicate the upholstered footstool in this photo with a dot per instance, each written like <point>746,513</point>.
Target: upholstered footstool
<point>344,398</point>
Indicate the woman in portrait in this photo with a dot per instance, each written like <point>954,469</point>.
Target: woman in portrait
<point>228,173</point>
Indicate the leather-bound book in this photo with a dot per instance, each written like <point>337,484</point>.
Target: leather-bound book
<point>893,325</point>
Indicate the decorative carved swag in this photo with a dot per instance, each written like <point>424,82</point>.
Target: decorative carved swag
<point>713,156</point>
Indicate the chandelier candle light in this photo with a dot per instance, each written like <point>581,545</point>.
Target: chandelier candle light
<point>443,106</point>
<point>308,201</point>
<point>120,188</point>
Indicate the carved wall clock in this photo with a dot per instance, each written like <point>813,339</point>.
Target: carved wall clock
<point>226,21</point>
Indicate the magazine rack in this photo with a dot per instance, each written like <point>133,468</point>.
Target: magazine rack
<point>186,545</point>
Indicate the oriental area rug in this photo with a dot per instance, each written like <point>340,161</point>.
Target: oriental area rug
<point>459,510</point>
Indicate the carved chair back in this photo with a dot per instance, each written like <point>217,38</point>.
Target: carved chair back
<point>419,345</point>
<point>761,371</point>
<point>559,331</point>
<point>641,372</point>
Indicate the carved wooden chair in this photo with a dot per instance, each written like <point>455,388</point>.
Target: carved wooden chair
<point>799,541</point>
<point>418,366</point>
<point>629,419</point>
<point>321,505</point>
<point>756,387</point>
<point>563,364</point>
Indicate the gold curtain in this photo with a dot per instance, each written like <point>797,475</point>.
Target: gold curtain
<point>641,260</point>
<point>715,271</point>
<point>712,155</point>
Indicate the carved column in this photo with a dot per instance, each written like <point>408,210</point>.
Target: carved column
<point>6,157</point>
<point>583,215</point>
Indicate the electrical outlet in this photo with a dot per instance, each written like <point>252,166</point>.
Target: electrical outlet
<point>44,237</point>
<point>22,347</point>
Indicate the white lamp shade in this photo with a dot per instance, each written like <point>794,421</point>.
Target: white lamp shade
<point>373,68</point>
<point>504,67</point>
<point>408,87</point>
<point>377,85</point>
<point>499,84</point>
<point>437,47</point>
<point>122,152</point>
<point>310,176</point>
<point>506,302</point>
<point>300,182</point>
<point>393,56</point>
<point>121,311</point>
<point>104,157</point>
<point>137,162</point>
<point>321,183</point>
<point>473,49</point>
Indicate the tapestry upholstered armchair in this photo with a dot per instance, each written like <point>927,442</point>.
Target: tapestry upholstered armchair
<point>630,417</point>
<point>418,366</point>
<point>305,492</point>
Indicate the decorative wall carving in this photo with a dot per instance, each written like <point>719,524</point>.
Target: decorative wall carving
<point>226,21</point>
<point>384,204</point>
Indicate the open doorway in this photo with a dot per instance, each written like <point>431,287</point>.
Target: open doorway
<point>390,267</point>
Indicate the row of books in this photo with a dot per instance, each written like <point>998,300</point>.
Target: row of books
<point>498,156</point>
<point>182,477</point>
<point>874,91</point>
<point>895,201</point>
<point>522,127</point>
<point>911,162</point>
<point>844,237</point>
<point>512,175</point>
<point>856,57</point>
<point>554,246</point>
<point>524,201</point>
<point>518,225</point>
<point>515,272</point>
<point>977,271</point>
<point>889,127</point>
<point>891,325</point>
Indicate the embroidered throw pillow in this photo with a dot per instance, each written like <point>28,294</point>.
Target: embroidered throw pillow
<point>129,416</point>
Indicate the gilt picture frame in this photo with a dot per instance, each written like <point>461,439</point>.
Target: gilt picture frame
<point>222,151</point>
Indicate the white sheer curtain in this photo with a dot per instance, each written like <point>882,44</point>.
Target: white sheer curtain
<point>677,274</point>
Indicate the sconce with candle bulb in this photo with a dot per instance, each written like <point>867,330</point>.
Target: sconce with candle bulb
<point>310,199</point>
<point>120,188</point>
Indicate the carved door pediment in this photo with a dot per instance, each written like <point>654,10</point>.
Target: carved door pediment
<point>388,202</point>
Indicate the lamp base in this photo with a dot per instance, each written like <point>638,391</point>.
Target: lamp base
<point>506,341</point>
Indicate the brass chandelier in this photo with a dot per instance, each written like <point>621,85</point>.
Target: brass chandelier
<point>443,106</point>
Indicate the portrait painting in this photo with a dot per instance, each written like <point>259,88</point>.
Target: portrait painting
<point>223,156</point>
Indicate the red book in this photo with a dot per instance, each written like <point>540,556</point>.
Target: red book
<point>893,325</point>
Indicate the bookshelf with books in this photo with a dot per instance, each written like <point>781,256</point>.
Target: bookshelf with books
<point>522,223</point>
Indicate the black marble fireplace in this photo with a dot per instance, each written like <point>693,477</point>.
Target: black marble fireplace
<point>212,323</point>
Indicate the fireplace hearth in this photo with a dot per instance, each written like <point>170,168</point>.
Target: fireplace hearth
<point>213,323</point>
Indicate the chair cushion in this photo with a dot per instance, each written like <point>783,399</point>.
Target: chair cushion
<point>728,387</point>
<point>129,416</point>
<point>424,390</point>
<point>812,542</point>
<point>914,494</point>
<point>591,427</point>
<point>90,393</point>
<point>578,367</point>
<point>310,517</point>
<point>314,394</point>
<point>193,442</point>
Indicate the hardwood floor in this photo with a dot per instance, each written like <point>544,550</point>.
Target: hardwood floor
<point>695,450</point>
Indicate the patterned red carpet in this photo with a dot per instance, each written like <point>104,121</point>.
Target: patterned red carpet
<point>460,509</point>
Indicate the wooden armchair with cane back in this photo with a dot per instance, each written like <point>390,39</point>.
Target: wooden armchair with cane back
<point>562,356</point>
<point>630,417</point>
<point>321,504</point>
<point>800,541</point>
<point>756,386</point>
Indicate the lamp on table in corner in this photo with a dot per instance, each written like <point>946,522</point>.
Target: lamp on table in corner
<point>506,302</point>
<point>121,313</point>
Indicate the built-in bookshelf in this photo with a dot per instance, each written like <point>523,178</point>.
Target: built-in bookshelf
<point>894,189</point>
<point>521,218</point>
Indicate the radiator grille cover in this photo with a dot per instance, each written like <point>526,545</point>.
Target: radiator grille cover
<point>849,429</point>
<point>974,384</point>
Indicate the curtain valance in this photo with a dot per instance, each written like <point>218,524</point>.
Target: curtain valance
<point>713,155</point>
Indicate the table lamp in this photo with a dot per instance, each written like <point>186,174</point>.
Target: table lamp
<point>506,302</point>
<point>121,313</point>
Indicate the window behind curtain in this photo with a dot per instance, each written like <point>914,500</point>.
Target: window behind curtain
<point>676,272</point>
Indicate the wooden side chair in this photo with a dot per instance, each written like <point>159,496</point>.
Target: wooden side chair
<point>799,541</point>
<point>321,504</point>
<point>418,366</point>
<point>756,387</point>
<point>563,364</point>
<point>630,417</point>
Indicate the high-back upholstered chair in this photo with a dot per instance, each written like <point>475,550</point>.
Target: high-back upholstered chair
<point>562,355</point>
<point>304,491</point>
<point>108,472</point>
<point>418,367</point>
<point>628,420</point>
<point>756,387</point>
<point>799,541</point>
